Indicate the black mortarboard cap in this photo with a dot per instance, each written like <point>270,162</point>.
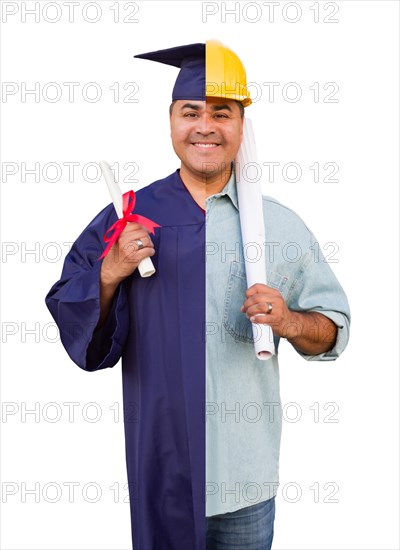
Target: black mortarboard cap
<point>191,59</point>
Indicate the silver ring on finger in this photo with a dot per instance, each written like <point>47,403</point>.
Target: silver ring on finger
<point>140,244</point>
<point>269,311</point>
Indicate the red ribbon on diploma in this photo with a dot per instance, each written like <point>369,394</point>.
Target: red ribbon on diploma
<point>128,205</point>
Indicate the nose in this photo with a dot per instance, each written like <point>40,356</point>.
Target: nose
<point>205,125</point>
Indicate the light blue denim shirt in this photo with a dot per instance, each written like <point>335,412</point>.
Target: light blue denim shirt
<point>243,408</point>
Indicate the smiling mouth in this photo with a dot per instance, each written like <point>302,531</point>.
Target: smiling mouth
<point>205,145</point>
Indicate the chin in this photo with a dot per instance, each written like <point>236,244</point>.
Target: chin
<point>213,174</point>
<point>211,166</point>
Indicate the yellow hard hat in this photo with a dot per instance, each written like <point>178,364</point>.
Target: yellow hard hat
<point>225,74</point>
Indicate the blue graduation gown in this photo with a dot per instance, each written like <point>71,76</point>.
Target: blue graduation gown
<point>157,325</point>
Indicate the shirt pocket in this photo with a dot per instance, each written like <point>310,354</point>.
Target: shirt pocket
<point>235,322</point>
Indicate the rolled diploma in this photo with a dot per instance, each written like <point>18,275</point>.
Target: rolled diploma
<point>146,267</point>
<point>253,230</point>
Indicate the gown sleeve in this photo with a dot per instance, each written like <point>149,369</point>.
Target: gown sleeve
<point>74,302</point>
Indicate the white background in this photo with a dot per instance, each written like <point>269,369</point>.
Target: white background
<point>359,453</point>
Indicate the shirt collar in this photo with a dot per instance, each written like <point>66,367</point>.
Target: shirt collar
<point>230,189</point>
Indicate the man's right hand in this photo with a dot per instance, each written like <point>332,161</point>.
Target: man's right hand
<point>124,256</point>
<point>121,261</point>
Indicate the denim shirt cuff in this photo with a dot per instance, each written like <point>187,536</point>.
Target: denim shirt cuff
<point>342,338</point>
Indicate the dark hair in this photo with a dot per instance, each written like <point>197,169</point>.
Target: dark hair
<point>241,108</point>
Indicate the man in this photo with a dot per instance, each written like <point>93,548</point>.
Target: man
<point>105,310</point>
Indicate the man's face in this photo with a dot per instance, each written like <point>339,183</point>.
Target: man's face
<point>206,135</point>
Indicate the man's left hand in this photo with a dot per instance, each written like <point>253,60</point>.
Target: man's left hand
<point>310,332</point>
<point>266,305</point>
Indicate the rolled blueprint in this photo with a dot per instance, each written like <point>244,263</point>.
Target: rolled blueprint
<point>146,267</point>
<point>253,230</point>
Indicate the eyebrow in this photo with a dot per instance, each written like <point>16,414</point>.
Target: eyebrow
<point>221,107</point>
<point>191,106</point>
<point>197,107</point>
